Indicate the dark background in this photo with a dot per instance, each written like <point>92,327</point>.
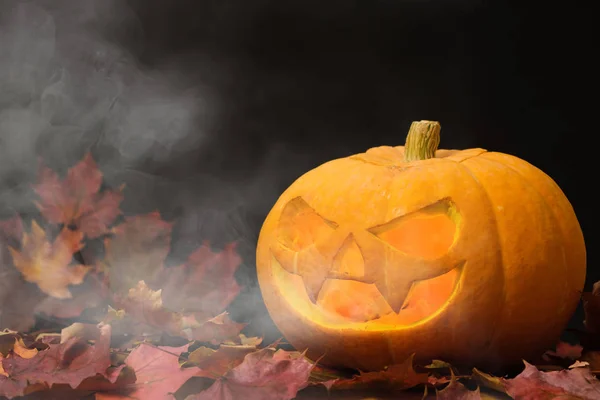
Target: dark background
<point>208,110</point>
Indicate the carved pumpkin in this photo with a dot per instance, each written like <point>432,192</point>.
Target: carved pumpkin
<point>469,256</point>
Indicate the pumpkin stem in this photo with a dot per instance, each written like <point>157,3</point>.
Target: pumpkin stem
<point>422,140</point>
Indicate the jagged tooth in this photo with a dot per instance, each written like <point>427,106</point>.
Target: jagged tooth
<point>313,283</point>
<point>394,296</point>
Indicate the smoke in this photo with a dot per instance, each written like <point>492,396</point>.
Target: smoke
<point>68,86</point>
<point>72,81</point>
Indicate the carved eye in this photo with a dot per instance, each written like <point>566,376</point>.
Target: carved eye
<point>426,233</point>
<point>300,226</point>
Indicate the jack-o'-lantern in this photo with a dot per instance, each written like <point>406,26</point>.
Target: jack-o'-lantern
<point>470,256</point>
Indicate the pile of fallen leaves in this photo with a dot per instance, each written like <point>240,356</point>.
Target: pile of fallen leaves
<point>91,310</point>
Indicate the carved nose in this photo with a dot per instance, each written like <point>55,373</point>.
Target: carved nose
<point>348,262</point>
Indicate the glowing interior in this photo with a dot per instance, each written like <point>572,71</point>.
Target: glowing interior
<point>345,303</point>
<point>428,233</point>
<point>361,302</point>
<point>422,234</point>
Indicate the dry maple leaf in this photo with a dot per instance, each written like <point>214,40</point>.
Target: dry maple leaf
<point>143,314</point>
<point>204,284</point>
<point>70,362</point>
<point>10,387</point>
<point>216,363</point>
<point>18,298</point>
<point>158,373</point>
<point>76,199</point>
<point>264,374</point>
<point>579,364</point>
<point>144,306</point>
<point>23,345</point>
<point>48,265</point>
<point>116,378</point>
<point>564,350</point>
<point>457,391</point>
<point>7,341</point>
<point>326,376</point>
<point>533,384</point>
<point>571,384</point>
<point>398,377</point>
<point>136,251</point>
<point>214,330</point>
<point>439,364</point>
<point>489,381</point>
<point>92,293</point>
<point>21,350</point>
<point>243,340</point>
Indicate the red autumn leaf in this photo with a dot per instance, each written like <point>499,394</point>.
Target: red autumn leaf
<point>144,314</point>
<point>243,340</point>
<point>76,199</point>
<point>136,251</point>
<point>565,350</point>
<point>326,376</point>
<point>116,378</point>
<point>158,373</point>
<point>216,363</point>
<point>90,294</point>
<point>143,306</point>
<point>9,337</point>
<point>264,374</point>
<point>21,301</point>
<point>12,343</point>
<point>438,380</point>
<point>48,265</point>
<point>10,387</point>
<point>457,391</point>
<point>204,284</point>
<point>69,362</point>
<point>18,298</point>
<point>572,384</point>
<point>398,376</point>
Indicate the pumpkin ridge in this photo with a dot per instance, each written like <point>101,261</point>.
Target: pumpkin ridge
<point>546,186</point>
<point>549,209</point>
<point>512,303</point>
<point>496,234</point>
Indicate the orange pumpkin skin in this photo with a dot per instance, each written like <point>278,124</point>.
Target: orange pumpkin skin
<point>365,236</point>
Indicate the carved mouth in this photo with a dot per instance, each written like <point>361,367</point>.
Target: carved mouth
<point>347,301</point>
